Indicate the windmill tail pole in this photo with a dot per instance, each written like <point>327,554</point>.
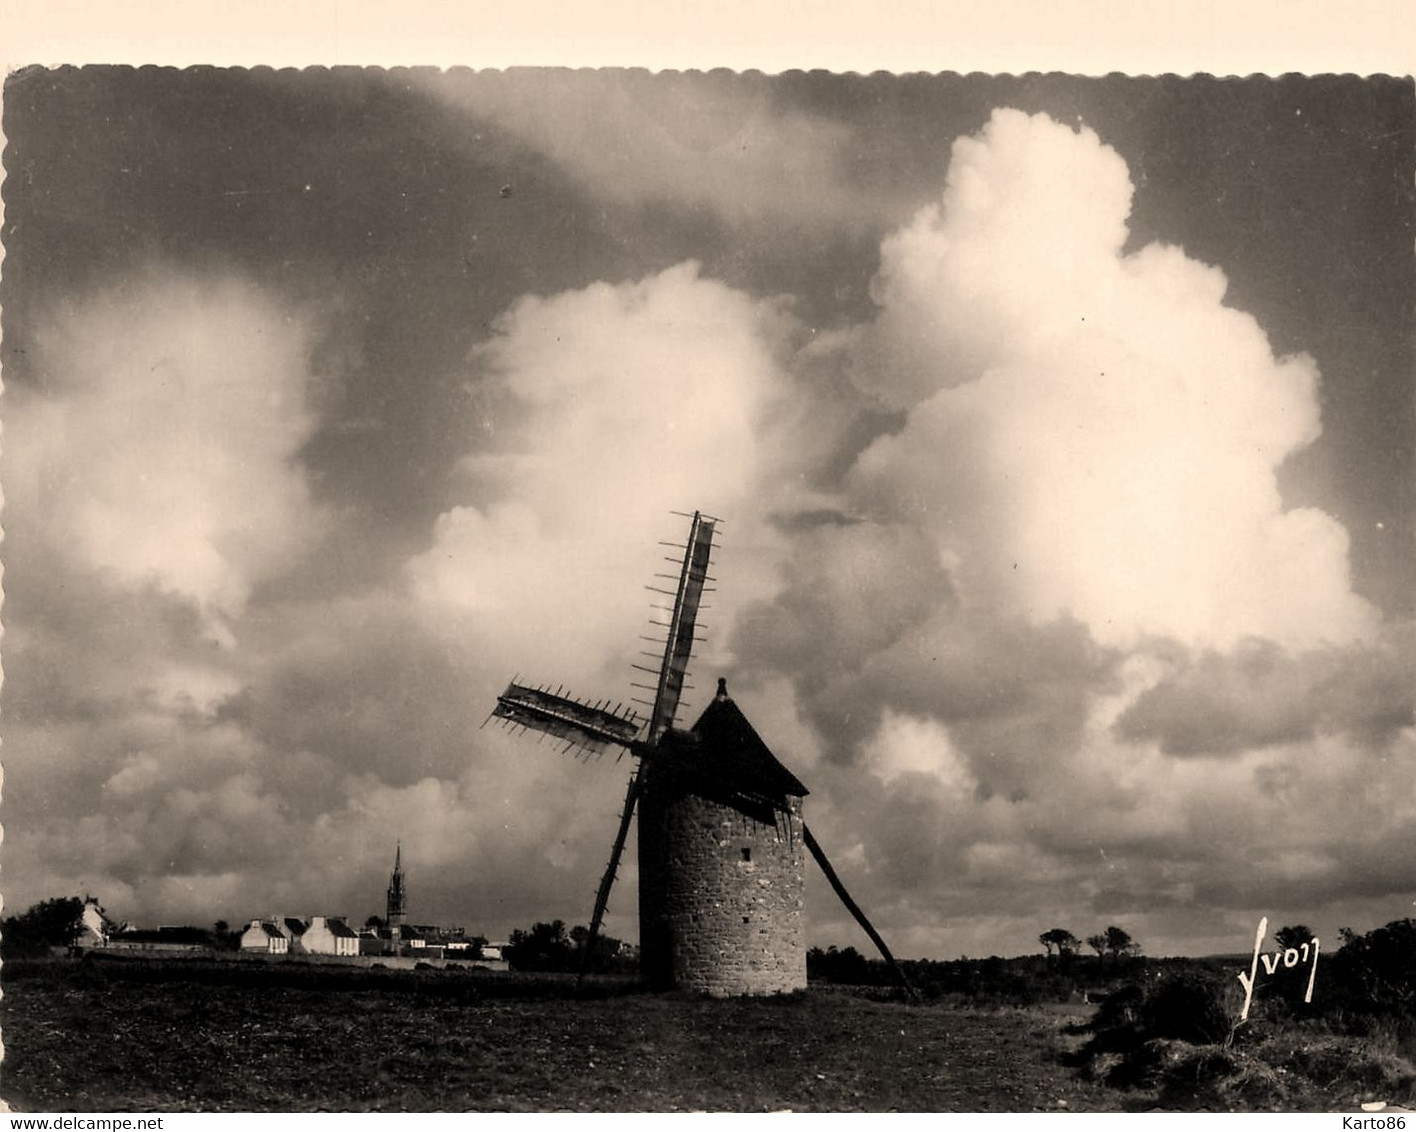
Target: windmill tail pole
<point>602,897</point>
<point>855,911</point>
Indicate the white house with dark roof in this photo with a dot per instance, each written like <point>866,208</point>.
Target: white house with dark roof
<point>92,928</point>
<point>293,929</point>
<point>329,937</point>
<point>265,936</point>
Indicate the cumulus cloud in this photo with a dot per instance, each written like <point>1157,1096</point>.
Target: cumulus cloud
<point>153,483</point>
<point>909,745</point>
<point>1092,433</point>
<point>1071,562</point>
<point>161,447</point>
<point>618,405</point>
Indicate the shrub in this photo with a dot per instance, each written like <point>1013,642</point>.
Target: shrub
<point>48,924</point>
<point>1370,984</point>
<point>1189,1008</point>
<point>1173,1030</point>
<point>847,966</point>
<point>1116,1024</point>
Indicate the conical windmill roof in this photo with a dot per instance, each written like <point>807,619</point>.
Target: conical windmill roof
<point>725,759</point>
<point>730,741</point>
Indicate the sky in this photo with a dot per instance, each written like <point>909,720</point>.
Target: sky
<point>1060,429</point>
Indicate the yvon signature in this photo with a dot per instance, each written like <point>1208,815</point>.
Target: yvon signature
<point>1289,957</point>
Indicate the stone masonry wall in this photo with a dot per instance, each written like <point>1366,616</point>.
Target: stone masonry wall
<point>721,896</point>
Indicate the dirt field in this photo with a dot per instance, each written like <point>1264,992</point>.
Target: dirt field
<point>174,1036</point>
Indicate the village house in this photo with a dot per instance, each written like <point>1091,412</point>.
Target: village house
<point>329,937</point>
<point>92,928</point>
<point>293,929</point>
<point>266,937</point>
<point>332,935</point>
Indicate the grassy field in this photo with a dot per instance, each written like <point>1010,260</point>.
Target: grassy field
<point>189,1036</point>
<point>203,1035</point>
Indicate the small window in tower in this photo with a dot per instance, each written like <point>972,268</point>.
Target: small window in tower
<point>746,853</point>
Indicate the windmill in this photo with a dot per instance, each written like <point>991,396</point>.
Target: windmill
<point>721,832</point>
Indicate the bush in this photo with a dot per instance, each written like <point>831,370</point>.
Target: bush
<point>845,966</point>
<point>1189,1008</point>
<point>50,923</point>
<point>1178,1040</point>
<point>1115,1026</point>
<point>1172,1034</point>
<point>1370,984</point>
<point>548,947</point>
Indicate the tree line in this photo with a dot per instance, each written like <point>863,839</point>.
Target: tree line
<point>1114,942</point>
<point>50,923</point>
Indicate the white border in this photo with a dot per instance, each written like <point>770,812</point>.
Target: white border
<point>1080,36</point>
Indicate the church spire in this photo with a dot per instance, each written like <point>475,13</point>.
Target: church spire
<point>397,908</point>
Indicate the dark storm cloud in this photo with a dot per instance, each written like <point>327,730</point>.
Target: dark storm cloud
<point>1346,864</point>
<point>850,591</point>
<point>363,687</point>
<point>868,620</point>
<point>78,650</point>
<point>1260,695</point>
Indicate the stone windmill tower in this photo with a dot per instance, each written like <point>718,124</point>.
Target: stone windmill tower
<point>722,838</point>
<point>722,861</point>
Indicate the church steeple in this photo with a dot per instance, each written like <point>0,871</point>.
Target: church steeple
<point>397,908</point>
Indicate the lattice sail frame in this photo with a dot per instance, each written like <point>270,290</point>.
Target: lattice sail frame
<point>678,642</point>
<point>595,727</point>
<point>589,727</point>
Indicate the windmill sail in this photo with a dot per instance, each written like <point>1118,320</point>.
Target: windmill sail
<point>678,645</point>
<point>590,727</point>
